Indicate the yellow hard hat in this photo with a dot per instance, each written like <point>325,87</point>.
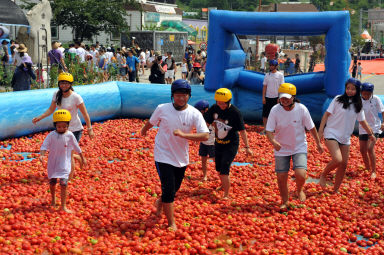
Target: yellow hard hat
<point>61,115</point>
<point>287,90</point>
<point>65,77</point>
<point>223,95</point>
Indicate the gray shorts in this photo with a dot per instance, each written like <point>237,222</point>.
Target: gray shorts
<point>282,163</point>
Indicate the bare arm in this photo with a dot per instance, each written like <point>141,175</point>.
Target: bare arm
<point>42,154</point>
<point>382,124</point>
<point>146,127</point>
<point>368,129</point>
<point>271,138</point>
<point>244,137</point>
<point>85,114</point>
<point>322,124</point>
<point>48,112</point>
<point>264,92</point>
<point>315,135</point>
<point>161,68</point>
<point>198,137</point>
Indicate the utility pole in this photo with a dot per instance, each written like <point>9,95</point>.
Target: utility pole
<point>257,39</point>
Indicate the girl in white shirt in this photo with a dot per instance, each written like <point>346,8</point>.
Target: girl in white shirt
<point>372,106</point>
<point>337,126</point>
<point>60,144</point>
<point>286,126</point>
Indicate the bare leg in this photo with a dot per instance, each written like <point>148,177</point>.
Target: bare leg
<point>64,199</point>
<point>334,150</point>
<point>372,158</point>
<point>226,184</point>
<point>341,168</point>
<point>282,181</point>
<point>169,213</point>
<point>159,207</point>
<point>204,167</point>
<point>52,190</point>
<point>364,153</point>
<point>300,181</point>
<point>264,124</point>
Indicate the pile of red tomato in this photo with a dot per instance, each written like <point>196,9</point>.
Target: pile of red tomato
<point>113,197</point>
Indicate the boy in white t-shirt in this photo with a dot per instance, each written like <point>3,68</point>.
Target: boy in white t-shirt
<point>61,143</point>
<point>372,107</point>
<point>176,121</point>
<point>285,129</point>
<point>206,148</point>
<point>337,127</point>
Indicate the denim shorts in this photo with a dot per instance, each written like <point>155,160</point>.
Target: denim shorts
<point>282,163</point>
<point>63,181</point>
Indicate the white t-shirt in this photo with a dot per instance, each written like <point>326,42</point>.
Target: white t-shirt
<point>289,128</point>
<point>18,59</point>
<point>262,62</point>
<point>147,55</point>
<point>109,56</point>
<point>341,122</point>
<point>81,53</point>
<point>372,108</point>
<point>273,82</point>
<point>211,139</point>
<point>71,104</point>
<point>171,149</point>
<point>184,68</point>
<point>72,50</point>
<point>60,147</point>
<point>94,54</point>
<point>142,56</point>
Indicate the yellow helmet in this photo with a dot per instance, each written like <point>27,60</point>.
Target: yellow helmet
<point>61,115</point>
<point>223,95</point>
<point>287,89</point>
<point>65,77</point>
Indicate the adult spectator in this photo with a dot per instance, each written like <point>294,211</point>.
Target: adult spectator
<point>158,70</point>
<point>297,64</point>
<point>176,121</point>
<point>72,52</point>
<point>4,57</point>
<point>248,60</point>
<point>131,63</point>
<point>263,62</point>
<point>61,48</point>
<point>196,76</point>
<point>271,84</point>
<point>56,58</point>
<point>142,61</point>
<point>21,51</point>
<point>80,52</point>
<point>171,68</point>
<point>21,79</point>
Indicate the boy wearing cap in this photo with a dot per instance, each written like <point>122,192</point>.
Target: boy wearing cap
<point>61,143</point>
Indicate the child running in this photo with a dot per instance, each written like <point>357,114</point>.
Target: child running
<point>289,120</point>
<point>60,144</point>
<point>337,126</point>
<point>206,148</point>
<point>372,107</point>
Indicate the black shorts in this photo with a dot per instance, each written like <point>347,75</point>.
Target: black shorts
<point>224,155</point>
<point>365,137</point>
<point>269,103</point>
<point>170,178</point>
<point>63,181</point>
<point>78,134</point>
<point>207,150</point>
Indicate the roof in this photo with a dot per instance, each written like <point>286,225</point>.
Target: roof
<point>293,7</point>
<point>149,8</point>
<point>12,14</point>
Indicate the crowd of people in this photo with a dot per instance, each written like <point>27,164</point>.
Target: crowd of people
<point>128,63</point>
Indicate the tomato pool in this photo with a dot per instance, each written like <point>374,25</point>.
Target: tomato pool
<point>113,202</point>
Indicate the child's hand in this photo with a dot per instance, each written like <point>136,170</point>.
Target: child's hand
<point>84,162</point>
<point>276,145</point>
<point>178,132</point>
<point>41,158</point>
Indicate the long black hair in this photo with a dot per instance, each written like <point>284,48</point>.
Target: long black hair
<point>355,100</point>
<point>59,95</point>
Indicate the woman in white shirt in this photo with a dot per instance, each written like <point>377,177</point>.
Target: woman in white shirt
<point>66,98</point>
<point>372,107</point>
<point>285,129</point>
<point>337,126</point>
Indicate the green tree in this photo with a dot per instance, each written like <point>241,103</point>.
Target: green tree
<point>88,18</point>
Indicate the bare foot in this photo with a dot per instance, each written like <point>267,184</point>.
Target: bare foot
<point>322,182</point>
<point>373,175</point>
<point>284,206</point>
<point>65,209</point>
<point>81,163</point>
<point>219,188</point>
<point>172,227</point>
<point>205,178</point>
<point>302,196</point>
<point>159,207</point>
<point>53,204</point>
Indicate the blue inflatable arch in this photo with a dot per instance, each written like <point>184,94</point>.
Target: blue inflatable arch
<point>225,66</point>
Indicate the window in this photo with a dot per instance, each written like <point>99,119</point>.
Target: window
<point>54,31</point>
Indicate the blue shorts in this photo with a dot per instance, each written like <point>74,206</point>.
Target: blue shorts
<point>282,163</point>
<point>123,71</point>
